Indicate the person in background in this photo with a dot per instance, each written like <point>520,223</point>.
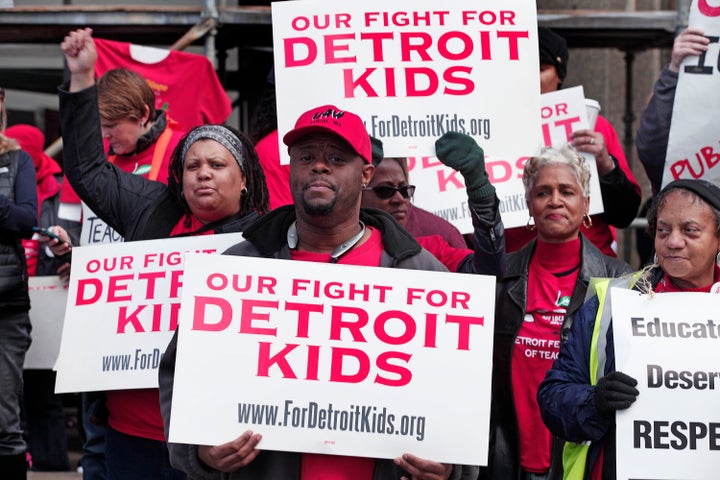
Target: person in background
<point>620,191</point>
<point>684,221</point>
<point>330,164</point>
<point>215,185</point>
<point>390,191</point>
<point>544,286</point>
<point>652,135</point>
<point>137,139</point>
<point>18,216</point>
<point>42,408</point>
<point>264,134</point>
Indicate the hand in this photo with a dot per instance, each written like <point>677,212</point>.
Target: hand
<point>691,41</point>
<point>63,272</point>
<point>80,55</point>
<point>615,391</point>
<point>592,142</point>
<point>421,469</point>
<point>462,153</point>
<point>231,456</point>
<point>58,247</point>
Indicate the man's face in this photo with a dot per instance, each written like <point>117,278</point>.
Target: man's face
<point>549,79</point>
<point>327,175</point>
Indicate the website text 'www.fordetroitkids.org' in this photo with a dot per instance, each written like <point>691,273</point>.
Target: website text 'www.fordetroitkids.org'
<point>356,418</point>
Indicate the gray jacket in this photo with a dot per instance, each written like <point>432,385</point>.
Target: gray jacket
<point>268,238</point>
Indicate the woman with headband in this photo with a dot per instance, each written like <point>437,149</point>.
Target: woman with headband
<point>215,185</point>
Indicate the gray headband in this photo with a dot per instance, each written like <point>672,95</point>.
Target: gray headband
<point>221,135</point>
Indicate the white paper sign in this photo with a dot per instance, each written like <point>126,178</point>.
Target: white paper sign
<point>123,306</point>
<point>413,70</point>
<point>441,190</point>
<point>694,141</point>
<point>672,431</point>
<point>334,359</point>
<point>48,296</point>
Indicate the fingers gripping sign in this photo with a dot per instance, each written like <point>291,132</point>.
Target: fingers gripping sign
<point>233,455</point>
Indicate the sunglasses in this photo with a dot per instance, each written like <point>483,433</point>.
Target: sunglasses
<point>386,192</point>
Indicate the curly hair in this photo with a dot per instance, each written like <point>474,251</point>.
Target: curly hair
<point>257,198</point>
<point>565,155</point>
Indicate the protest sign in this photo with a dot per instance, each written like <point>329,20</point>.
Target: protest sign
<point>413,70</point>
<point>334,359</point>
<point>122,309</point>
<point>441,190</point>
<point>694,140</point>
<point>672,431</point>
<point>48,296</point>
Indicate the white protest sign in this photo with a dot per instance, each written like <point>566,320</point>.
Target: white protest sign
<point>672,431</point>
<point>694,140</point>
<point>95,230</point>
<point>48,296</point>
<point>334,359</point>
<point>441,190</point>
<point>413,70</point>
<point>122,310</point>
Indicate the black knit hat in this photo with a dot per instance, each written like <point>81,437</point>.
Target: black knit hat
<point>553,50</point>
<point>702,188</point>
<point>377,151</point>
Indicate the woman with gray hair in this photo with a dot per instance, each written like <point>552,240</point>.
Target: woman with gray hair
<point>543,287</point>
<point>684,221</point>
<point>215,185</point>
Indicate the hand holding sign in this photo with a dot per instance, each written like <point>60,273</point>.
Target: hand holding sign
<point>615,391</point>
<point>231,456</point>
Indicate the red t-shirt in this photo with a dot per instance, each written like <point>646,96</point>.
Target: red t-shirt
<point>339,467</point>
<point>450,256</point>
<point>187,82</point>
<point>552,274</point>
<point>277,176</point>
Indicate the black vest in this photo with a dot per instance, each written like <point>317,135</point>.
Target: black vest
<point>13,267</point>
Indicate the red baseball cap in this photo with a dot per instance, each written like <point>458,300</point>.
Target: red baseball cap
<point>330,119</point>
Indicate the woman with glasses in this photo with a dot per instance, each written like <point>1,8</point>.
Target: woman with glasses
<point>543,288</point>
<point>390,191</point>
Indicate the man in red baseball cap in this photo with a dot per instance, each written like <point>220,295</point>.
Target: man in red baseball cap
<point>330,164</point>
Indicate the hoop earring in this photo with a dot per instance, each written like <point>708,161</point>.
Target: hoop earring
<point>244,192</point>
<point>586,221</point>
<point>530,226</point>
<point>655,259</point>
<point>717,259</point>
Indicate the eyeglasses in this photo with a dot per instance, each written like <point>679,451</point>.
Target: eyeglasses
<point>385,192</point>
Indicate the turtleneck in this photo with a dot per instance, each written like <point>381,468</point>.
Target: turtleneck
<point>558,257</point>
<point>148,138</point>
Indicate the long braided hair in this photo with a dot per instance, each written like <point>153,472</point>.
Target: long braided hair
<point>257,198</point>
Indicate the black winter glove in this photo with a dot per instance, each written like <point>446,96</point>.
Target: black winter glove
<point>462,153</point>
<point>616,391</point>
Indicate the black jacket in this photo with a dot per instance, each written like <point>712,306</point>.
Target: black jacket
<point>137,208</point>
<point>511,300</point>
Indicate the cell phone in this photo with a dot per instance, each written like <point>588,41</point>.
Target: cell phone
<point>47,233</point>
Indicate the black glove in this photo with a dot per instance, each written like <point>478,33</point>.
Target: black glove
<point>616,391</point>
<point>462,153</point>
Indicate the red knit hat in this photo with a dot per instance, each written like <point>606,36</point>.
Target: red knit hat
<point>330,119</point>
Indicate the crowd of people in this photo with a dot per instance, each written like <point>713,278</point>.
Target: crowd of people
<point>342,201</point>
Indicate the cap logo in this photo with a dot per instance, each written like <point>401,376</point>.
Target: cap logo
<point>328,113</point>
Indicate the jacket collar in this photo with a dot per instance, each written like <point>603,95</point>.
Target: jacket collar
<point>269,233</point>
